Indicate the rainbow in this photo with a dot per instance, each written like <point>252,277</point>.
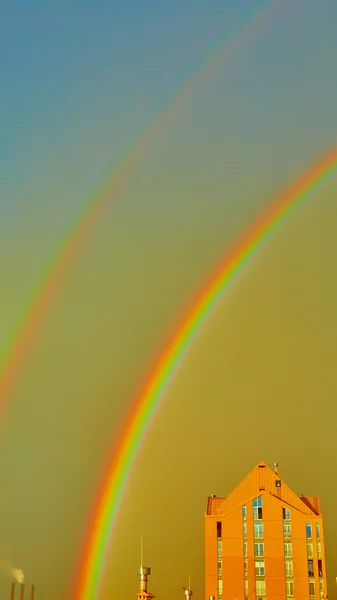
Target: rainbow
<point>166,368</point>
<point>22,335</point>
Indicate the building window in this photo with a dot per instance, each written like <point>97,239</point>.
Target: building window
<point>321,588</point>
<point>244,548</point>
<point>219,529</point>
<point>308,530</point>
<point>320,568</point>
<point>290,588</point>
<point>288,550</point>
<point>246,588</point>
<point>312,588</point>
<point>220,587</point>
<point>245,567</point>
<point>258,531</point>
<point>289,568</point>
<point>311,568</point>
<point>259,568</point>
<point>244,529</point>
<point>220,566</point>
<point>259,549</point>
<point>244,513</point>
<point>318,532</point>
<point>260,587</point>
<point>310,550</point>
<point>219,547</point>
<point>286,514</point>
<point>319,550</point>
<point>257,508</point>
<point>287,530</point>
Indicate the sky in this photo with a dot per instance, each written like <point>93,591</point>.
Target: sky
<point>79,81</point>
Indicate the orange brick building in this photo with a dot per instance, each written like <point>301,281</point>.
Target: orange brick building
<point>262,542</point>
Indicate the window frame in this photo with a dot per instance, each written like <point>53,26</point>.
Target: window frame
<point>258,528</point>
<point>286,535</point>
<point>312,582</point>
<point>289,573</point>
<point>286,544</point>
<point>258,545</point>
<point>311,569</point>
<point>260,568</point>
<point>286,513</point>
<point>289,593</point>
<point>310,553</point>
<point>319,550</point>
<point>260,587</point>
<point>308,526</point>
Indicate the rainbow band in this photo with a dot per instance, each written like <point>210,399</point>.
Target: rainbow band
<point>23,334</point>
<point>168,364</point>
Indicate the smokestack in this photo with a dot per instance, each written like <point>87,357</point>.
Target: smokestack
<point>32,591</point>
<point>22,591</point>
<point>144,572</point>
<point>12,594</point>
<point>276,468</point>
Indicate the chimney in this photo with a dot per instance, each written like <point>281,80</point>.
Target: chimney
<point>32,590</point>
<point>22,591</point>
<point>12,594</point>
<point>276,468</point>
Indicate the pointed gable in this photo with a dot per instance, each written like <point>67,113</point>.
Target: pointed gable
<point>262,480</point>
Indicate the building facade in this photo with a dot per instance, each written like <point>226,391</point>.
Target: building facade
<point>263,542</point>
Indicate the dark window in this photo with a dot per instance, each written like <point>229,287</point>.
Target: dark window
<point>286,514</point>
<point>320,568</point>
<point>311,568</point>
<point>278,482</point>
<point>259,512</point>
<point>308,530</point>
<point>219,529</point>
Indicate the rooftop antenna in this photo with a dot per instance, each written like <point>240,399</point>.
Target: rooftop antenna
<point>144,572</point>
<point>188,593</point>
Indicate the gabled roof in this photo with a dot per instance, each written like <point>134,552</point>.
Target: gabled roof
<point>262,479</point>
